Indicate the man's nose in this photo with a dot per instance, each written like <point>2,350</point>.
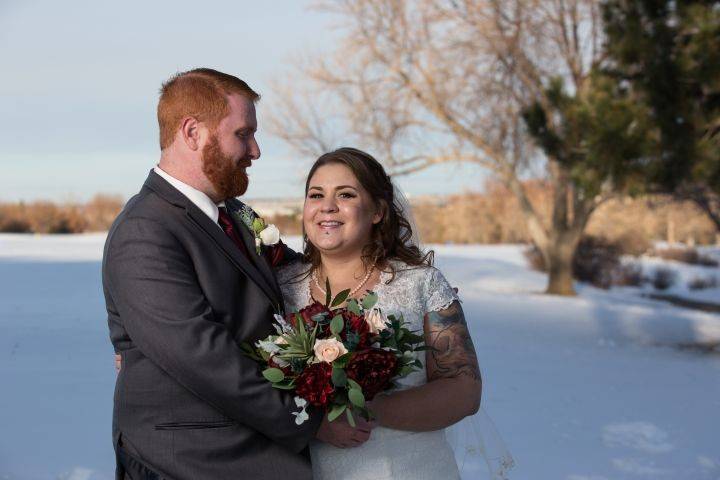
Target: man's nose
<point>254,150</point>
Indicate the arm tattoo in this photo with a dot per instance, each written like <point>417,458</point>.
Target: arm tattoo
<point>452,353</point>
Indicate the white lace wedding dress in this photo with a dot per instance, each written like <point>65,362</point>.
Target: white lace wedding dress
<point>389,454</point>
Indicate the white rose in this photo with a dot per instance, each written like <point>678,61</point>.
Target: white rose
<point>375,321</point>
<point>270,235</point>
<point>327,350</point>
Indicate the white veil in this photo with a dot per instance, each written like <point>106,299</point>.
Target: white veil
<point>480,451</point>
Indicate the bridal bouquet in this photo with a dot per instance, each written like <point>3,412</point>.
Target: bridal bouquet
<point>337,358</point>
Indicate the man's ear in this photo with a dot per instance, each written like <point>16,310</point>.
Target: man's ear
<point>192,133</point>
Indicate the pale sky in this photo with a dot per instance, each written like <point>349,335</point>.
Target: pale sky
<point>80,84</point>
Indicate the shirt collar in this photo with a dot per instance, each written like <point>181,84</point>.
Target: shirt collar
<point>201,200</point>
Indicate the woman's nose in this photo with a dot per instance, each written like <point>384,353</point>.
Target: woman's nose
<point>328,204</point>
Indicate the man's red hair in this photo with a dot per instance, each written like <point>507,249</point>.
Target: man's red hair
<point>200,93</point>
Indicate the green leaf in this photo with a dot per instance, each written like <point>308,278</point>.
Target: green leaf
<point>342,361</point>
<point>356,397</point>
<point>369,300</point>
<point>339,378</point>
<point>353,307</point>
<point>336,411</point>
<point>273,375</point>
<point>328,295</point>
<point>337,324</point>
<point>285,385</point>
<point>350,418</point>
<point>340,298</point>
<point>258,225</point>
<point>405,371</point>
<point>353,384</point>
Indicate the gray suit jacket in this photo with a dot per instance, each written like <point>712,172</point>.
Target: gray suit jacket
<point>180,297</point>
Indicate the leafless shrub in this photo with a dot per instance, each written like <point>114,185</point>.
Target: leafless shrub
<point>49,217</point>
<point>628,275</point>
<point>101,210</point>
<point>700,283</point>
<point>664,278</point>
<point>633,242</point>
<point>686,255</point>
<point>596,260</point>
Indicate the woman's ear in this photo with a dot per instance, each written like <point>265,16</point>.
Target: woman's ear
<point>380,213</point>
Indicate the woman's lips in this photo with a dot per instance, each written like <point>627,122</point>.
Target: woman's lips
<point>329,224</point>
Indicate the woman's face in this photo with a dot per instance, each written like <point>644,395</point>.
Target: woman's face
<point>338,214</point>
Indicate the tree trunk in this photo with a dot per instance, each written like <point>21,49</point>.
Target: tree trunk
<point>559,263</point>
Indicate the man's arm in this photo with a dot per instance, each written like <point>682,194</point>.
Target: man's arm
<point>163,309</point>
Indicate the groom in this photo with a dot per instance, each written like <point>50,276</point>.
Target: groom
<point>184,286</point>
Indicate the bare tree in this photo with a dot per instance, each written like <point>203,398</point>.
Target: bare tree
<point>426,82</point>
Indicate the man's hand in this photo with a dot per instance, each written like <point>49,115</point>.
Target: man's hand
<point>118,363</point>
<point>341,434</point>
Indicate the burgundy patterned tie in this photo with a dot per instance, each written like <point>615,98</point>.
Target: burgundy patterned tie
<point>229,228</point>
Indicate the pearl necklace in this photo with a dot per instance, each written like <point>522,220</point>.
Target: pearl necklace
<point>354,290</point>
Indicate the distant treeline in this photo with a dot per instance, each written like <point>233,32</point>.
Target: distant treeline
<point>490,217</point>
<point>48,217</point>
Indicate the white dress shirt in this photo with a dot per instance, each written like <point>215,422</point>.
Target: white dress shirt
<point>202,201</point>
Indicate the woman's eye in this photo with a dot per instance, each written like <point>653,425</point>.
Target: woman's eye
<point>347,195</point>
<point>315,195</point>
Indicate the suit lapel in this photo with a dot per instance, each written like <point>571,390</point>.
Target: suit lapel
<point>249,239</point>
<point>218,237</point>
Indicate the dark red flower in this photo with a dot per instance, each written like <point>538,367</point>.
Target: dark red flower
<point>308,312</point>
<point>373,369</point>
<point>358,325</point>
<point>314,384</point>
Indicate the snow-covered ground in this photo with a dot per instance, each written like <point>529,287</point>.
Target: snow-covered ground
<point>586,388</point>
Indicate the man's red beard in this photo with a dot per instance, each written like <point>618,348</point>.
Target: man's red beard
<point>228,179</point>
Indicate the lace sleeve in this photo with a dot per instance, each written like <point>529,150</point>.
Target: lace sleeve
<point>439,294</point>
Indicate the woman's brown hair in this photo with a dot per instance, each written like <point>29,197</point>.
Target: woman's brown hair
<point>391,237</point>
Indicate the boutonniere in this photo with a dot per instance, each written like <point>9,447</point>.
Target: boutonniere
<point>265,234</point>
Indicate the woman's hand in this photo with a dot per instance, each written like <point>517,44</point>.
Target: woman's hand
<point>118,362</point>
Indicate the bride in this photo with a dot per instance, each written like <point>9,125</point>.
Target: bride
<point>357,238</point>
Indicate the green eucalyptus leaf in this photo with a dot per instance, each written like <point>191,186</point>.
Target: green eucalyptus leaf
<point>369,300</point>
<point>356,397</point>
<point>273,375</point>
<point>353,384</point>
<point>336,411</point>
<point>353,307</point>
<point>350,418</point>
<point>337,324</point>
<point>339,378</point>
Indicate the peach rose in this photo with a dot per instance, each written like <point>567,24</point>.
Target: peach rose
<point>375,321</point>
<point>327,350</point>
